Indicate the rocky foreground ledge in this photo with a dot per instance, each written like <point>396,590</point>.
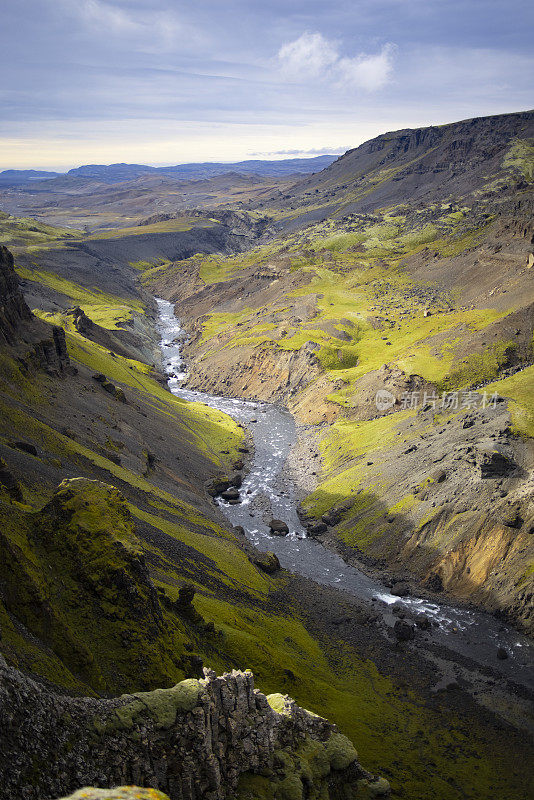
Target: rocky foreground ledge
<point>216,738</point>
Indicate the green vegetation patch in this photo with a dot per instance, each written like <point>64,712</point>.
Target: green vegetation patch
<point>520,157</point>
<point>519,389</point>
<point>32,234</point>
<point>106,310</point>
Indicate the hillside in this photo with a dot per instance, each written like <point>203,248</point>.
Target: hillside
<point>430,295</point>
<point>475,157</point>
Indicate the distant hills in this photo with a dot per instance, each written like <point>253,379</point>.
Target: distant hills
<point>19,177</point>
<point>115,173</point>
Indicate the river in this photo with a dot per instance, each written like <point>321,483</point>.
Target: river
<point>267,493</point>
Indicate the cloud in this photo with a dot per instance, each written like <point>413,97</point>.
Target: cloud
<point>314,56</point>
<point>368,72</point>
<point>116,19</point>
<point>311,55</point>
<point>151,27</point>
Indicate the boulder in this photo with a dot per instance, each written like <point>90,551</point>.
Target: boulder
<point>268,562</point>
<point>9,483</point>
<point>513,518</point>
<point>230,494</point>
<point>494,461</point>
<point>423,622</point>
<point>439,475</point>
<point>109,387</point>
<point>186,595</point>
<point>317,529</point>
<point>502,653</point>
<point>400,589</point>
<point>218,485</point>
<point>236,479</point>
<point>278,528</point>
<point>403,630</point>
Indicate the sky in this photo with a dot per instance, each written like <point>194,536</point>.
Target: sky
<point>167,82</point>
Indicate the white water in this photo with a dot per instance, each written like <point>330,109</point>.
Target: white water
<point>266,493</point>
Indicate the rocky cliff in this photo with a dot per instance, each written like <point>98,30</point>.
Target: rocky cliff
<point>417,165</point>
<point>13,308</point>
<point>19,328</point>
<point>213,738</point>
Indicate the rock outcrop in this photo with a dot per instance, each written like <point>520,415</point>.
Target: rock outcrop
<point>51,354</point>
<point>75,577</point>
<point>49,351</point>
<point>13,308</point>
<point>213,738</point>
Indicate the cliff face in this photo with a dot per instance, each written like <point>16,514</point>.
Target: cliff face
<point>13,308</point>
<point>214,738</point>
<point>49,351</point>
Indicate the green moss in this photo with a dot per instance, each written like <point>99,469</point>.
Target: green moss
<point>178,225</point>
<point>230,563</point>
<point>479,367</point>
<point>340,751</point>
<point>119,793</point>
<point>75,577</point>
<point>210,431</point>
<point>160,705</point>
<point>518,389</point>
<point>277,702</point>
<point>29,233</point>
<point>520,158</point>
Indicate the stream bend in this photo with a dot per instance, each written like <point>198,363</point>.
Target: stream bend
<point>267,493</point>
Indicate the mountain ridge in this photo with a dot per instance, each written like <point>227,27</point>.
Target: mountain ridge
<point>114,173</point>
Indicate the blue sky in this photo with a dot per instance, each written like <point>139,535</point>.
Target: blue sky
<point>160,82</point>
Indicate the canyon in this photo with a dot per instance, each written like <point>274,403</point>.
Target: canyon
<point>399,605</point>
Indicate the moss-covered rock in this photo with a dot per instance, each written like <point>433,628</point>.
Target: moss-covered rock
<point>75,576</point>
<point>161,705</point>
<point>340,751</point>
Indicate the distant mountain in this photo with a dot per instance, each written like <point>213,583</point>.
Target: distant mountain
<point>111,173</point>
<point>288,166</point>
<point>115,173</point>
<point>16,177</point>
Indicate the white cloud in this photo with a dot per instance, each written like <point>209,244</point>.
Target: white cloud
<point>310,55</point>
<point>150,29</point>
<point>314,56</point>
<point>368,72</point>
